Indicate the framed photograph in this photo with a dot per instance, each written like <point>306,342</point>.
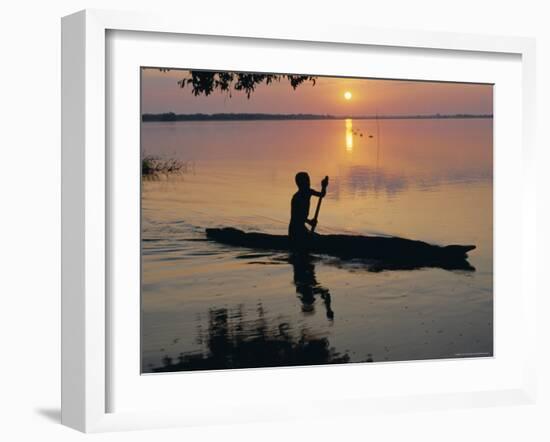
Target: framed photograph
<point>268,223</point>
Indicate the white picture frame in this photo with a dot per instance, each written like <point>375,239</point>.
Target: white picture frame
<point>86,207</point>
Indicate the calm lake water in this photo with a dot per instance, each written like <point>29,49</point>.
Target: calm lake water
<point>206,305</point>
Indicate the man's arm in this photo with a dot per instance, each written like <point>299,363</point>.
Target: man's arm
<point>311,222</point>
<point>320,194</point>
<point>323,192</point>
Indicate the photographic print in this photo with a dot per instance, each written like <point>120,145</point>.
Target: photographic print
<point>292,219</point>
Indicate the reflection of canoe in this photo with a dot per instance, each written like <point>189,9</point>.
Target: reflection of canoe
<point>392,251</point>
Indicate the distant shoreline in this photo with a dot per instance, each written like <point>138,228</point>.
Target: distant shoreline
<point>170,116</point>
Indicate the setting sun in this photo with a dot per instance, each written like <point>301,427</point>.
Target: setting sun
<point>347,95</point>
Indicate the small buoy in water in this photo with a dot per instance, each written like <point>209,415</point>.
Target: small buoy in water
<point>370,136</point>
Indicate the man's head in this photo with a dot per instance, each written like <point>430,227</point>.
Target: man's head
<point>302,180</point>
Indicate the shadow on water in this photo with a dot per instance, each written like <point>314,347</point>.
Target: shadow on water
<point>233,342</point>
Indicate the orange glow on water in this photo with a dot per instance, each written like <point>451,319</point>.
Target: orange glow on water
<point>349,135</point>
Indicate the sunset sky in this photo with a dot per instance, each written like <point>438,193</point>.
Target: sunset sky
<point>161,93</point>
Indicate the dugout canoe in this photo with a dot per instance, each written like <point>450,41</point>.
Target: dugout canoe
<point>402,252</point>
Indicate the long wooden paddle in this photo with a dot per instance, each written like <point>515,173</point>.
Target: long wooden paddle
<point>324,185</point>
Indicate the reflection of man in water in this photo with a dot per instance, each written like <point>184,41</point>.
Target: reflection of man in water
<point>299,210</point>
<point>307,286</point>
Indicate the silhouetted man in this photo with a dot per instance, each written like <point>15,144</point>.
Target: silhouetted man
<point>299,211</point>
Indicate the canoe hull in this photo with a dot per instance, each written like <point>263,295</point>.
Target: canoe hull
<point>385,249</point>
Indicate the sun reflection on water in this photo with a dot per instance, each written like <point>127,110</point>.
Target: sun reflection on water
<point>349,135</point>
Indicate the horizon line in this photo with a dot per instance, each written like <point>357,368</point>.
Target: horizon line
<point>197,116</point>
